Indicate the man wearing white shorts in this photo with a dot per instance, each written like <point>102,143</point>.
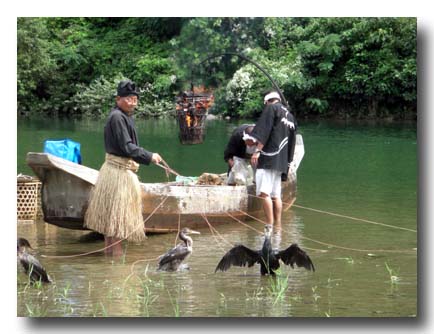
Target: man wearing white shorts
<point>275,135</point>
<point>268,181</point>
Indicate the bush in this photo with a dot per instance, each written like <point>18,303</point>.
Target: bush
<point>98,98</point>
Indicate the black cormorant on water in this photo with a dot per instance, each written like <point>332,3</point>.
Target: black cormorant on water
<point>31,265</point>
<point>266,257</point>
<point>172,260</point>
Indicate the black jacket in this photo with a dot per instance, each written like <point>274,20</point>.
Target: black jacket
<point>120,138</point>
<point>276,129</point>
<point>236,145</point>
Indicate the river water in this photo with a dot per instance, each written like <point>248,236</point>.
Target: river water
<point>364,268</point>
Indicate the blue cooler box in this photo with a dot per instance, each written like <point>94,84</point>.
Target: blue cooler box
<point>64,148</point>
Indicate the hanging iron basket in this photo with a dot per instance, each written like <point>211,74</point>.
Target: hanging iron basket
<point>191,112</point>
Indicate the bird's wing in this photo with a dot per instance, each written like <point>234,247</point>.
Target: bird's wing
<point>177,253</point>
<point>294,254</point>
<point>238,256</point>
<point>34,268</point>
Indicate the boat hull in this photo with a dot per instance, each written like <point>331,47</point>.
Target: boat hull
<point>66,188</point>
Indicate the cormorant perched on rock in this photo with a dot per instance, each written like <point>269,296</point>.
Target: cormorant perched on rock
<point>174,257</point>
<point>266,257</point>
<point>31,265</point>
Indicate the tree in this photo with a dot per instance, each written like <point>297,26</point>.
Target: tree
<point>331,67</point>
<point>35,65</point>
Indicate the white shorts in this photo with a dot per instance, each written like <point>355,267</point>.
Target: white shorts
<point>269,182</point>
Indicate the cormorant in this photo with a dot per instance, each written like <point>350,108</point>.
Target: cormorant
<point>31,265</point>
<point>174,257</point>
<point>266,257</point>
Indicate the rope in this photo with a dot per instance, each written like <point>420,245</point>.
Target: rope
<point>212,233</point>
<point>343,216</point>
<point>261,221</point>
<point>259,232</point>
<point>353,218</point>
<point>179,228</point>
<point>154,259</point>
<point>245,213</point>
<point>257,219</point>
<point>167,168</point>
<point>213,228</point>
<point>132,269</point>
<point>336,246</point>
<point>239,221</point>
<point>120,162</point>
<point>102,249</point>
<point>360,250</point>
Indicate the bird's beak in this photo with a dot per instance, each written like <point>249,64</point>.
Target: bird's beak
<point>194,232</point>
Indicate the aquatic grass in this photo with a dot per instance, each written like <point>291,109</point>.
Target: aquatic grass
<point>66,290</point>
<point>116,291</point>
<point>330,282</point>
<point>136,275</point>
<point>257,294</point>
<point>31,283</point>
<point>393,274</point>
<point>68,309</point>
<point>37,284</point>
<point>147,294</point>
<point>296,298</point>
<point>34,299</point>
<point>175,304</point>
<point>278,286</point>
<point>147,297</point>
<point>62,298</point>
<point>62,294</point>
<point>222,305</point>
<point>315,295</point>
<point>96,308</point>
<point>349,259</point>
<point>222,298</point>
<point>35,310</point>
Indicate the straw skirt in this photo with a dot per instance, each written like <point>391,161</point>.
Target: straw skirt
<point>115,204</point>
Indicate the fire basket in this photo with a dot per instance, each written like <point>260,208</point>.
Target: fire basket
<point>191,111</point>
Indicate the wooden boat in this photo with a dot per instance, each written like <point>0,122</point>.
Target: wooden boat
<point>66,187</point>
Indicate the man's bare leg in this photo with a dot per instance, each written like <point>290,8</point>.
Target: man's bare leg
<point>277,210</point>
<point>268,208</point>
<point>115,248</point>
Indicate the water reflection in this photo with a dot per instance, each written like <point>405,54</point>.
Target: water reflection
<point>96,283</point>
<point>346,169</point>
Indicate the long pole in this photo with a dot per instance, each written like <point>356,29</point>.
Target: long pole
<point>248,60</point>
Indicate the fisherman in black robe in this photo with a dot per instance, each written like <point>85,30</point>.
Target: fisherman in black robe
<point>238,153</point>
<point>275,135</point>
<point>237,147</point>
<point>115,203</point>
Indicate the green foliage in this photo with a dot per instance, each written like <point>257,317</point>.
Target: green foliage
<point>330,67</point>
<point>202,37</point>
<point>158,71</point>
<point>244,92</point>
<point>97,98</point>
<point>317,104</point>
<point>35,63</point>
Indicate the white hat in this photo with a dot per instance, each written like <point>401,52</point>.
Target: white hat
<point>272,95</point>
<point>246,136</point>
